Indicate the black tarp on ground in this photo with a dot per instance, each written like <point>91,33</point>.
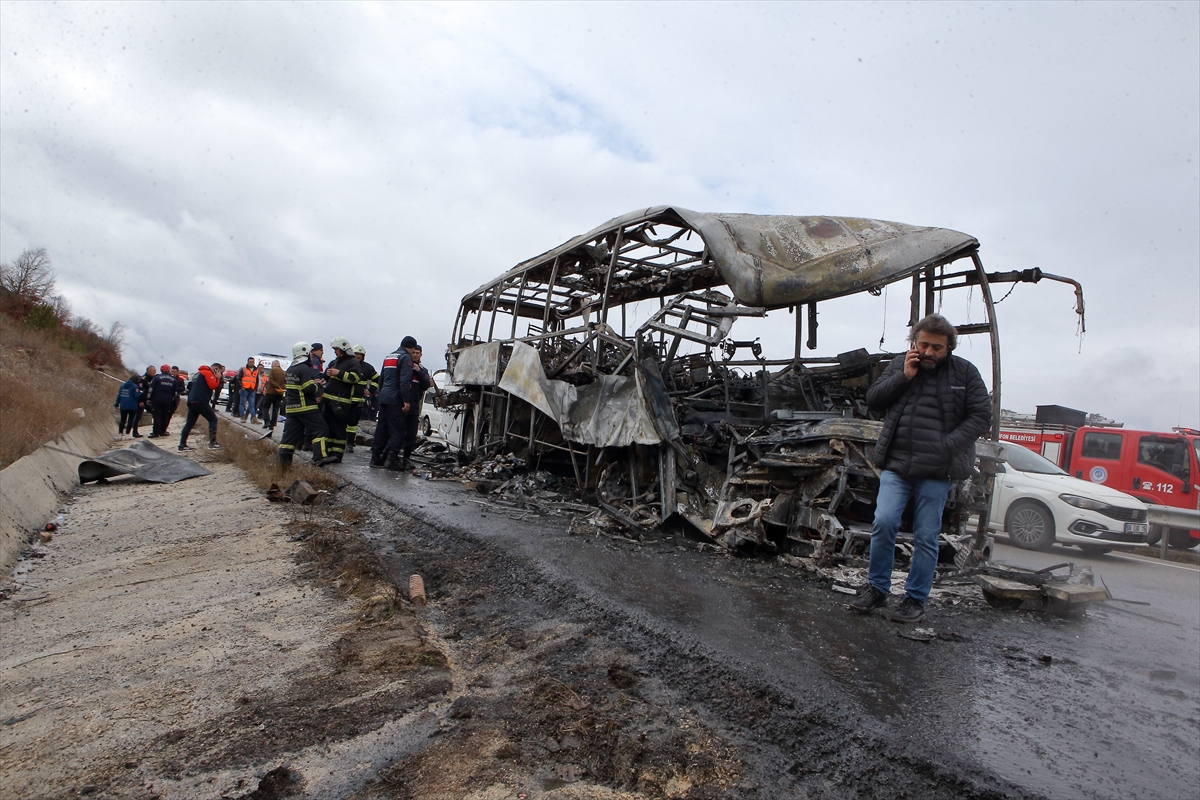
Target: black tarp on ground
<point>142,460</point>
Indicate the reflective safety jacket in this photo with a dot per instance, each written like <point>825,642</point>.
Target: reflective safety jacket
<point>301,389</point>
<point>340,388</point>
<point>370,381</point>
<point>249,378</point>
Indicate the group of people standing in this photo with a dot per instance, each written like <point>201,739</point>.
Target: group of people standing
<point>321,404</point>
<point>256,393</point>
<point>158,391</point>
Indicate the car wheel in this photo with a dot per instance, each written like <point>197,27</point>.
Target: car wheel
<point>1154,535</point>
<point>1030,526</point>
<point>426,428</point>
<point>1094,549</point>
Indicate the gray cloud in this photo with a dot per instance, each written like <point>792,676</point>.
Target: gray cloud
<point>228,178</point>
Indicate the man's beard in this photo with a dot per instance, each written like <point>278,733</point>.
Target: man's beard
<point>929,363</point>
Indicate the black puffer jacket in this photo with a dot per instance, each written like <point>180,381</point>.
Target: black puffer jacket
<point>932,421</point>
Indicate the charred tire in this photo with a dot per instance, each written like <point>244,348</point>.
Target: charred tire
<point>425,428</point>
<point>1094,549</point>
<point>1030,526</point>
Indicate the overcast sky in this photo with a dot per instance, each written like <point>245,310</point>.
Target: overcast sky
<point>231,178</point>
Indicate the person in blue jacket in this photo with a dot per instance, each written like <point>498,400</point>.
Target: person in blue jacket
<point>129,398</point>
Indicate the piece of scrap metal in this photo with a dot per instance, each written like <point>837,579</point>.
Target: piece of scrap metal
<point>141,460</point>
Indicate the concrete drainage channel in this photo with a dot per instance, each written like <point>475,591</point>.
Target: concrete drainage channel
<point>31,488</point>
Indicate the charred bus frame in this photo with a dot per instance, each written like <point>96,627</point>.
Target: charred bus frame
<point>649,432</point>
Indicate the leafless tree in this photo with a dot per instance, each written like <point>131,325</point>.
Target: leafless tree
<point>116,335</point>
<point>29,276</point>
<point>84,325</point>
<point>62,309</point>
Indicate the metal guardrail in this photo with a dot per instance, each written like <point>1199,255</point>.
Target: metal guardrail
<point>1175,517</point>
<point>1186,518</point>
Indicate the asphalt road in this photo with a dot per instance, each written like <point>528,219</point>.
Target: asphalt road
<point>1106,706</point>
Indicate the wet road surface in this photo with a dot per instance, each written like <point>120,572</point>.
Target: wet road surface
<point>1100,719</point>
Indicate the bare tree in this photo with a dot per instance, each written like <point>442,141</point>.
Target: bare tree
<point>29,276</point>
<point>116,335</point>
<point>84,325</point>
<point>62,309</point>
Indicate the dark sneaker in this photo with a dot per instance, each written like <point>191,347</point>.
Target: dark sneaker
<point>214,445</point>
<point>137,435</point>
<point>909,611</point>
<point>183,447</point>
<point>868,599</point>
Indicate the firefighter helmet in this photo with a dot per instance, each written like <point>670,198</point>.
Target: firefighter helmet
<point>359,350</point>
<point>301,350</point>
<point>340,343</point>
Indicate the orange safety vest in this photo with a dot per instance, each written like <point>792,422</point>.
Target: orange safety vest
<point>249,379</point>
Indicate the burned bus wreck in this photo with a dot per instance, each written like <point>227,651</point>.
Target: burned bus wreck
<point>614,359</point>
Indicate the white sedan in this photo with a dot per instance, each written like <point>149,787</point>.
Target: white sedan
<point>1037,504</point>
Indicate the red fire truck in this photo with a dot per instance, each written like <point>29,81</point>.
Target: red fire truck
<point>1154,467</point>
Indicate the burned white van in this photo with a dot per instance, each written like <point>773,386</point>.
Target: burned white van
<point>614,359</point>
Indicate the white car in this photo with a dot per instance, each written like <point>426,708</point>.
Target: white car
<point>433,418</point>
<point>1038,504</point>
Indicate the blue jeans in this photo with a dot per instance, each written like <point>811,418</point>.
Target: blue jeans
<point>247,402</point>
<point>930,499</point>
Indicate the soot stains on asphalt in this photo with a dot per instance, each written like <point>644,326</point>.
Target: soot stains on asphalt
<point>566,683</point>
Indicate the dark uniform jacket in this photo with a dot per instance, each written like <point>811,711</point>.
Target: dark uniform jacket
<point>932,421</point>
<point>164,388</point>
<point>144,387</point>
<point>300,391</point>
<point>129,395</point>
<point>396,380</point>
<point>369,381</point>
<point>340,388</point>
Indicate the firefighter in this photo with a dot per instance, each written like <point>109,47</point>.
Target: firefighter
<point>341,378</point>
<point>300,404</point>
<point>358,394</point>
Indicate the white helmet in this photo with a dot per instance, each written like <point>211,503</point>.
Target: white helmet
<point>358,350</point>
<point>301,350</point>
<point>340,343</point>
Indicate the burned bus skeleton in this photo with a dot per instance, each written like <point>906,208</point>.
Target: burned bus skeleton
<point>677,416</point>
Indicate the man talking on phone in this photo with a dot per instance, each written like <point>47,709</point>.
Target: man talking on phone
<point>936,405</point>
